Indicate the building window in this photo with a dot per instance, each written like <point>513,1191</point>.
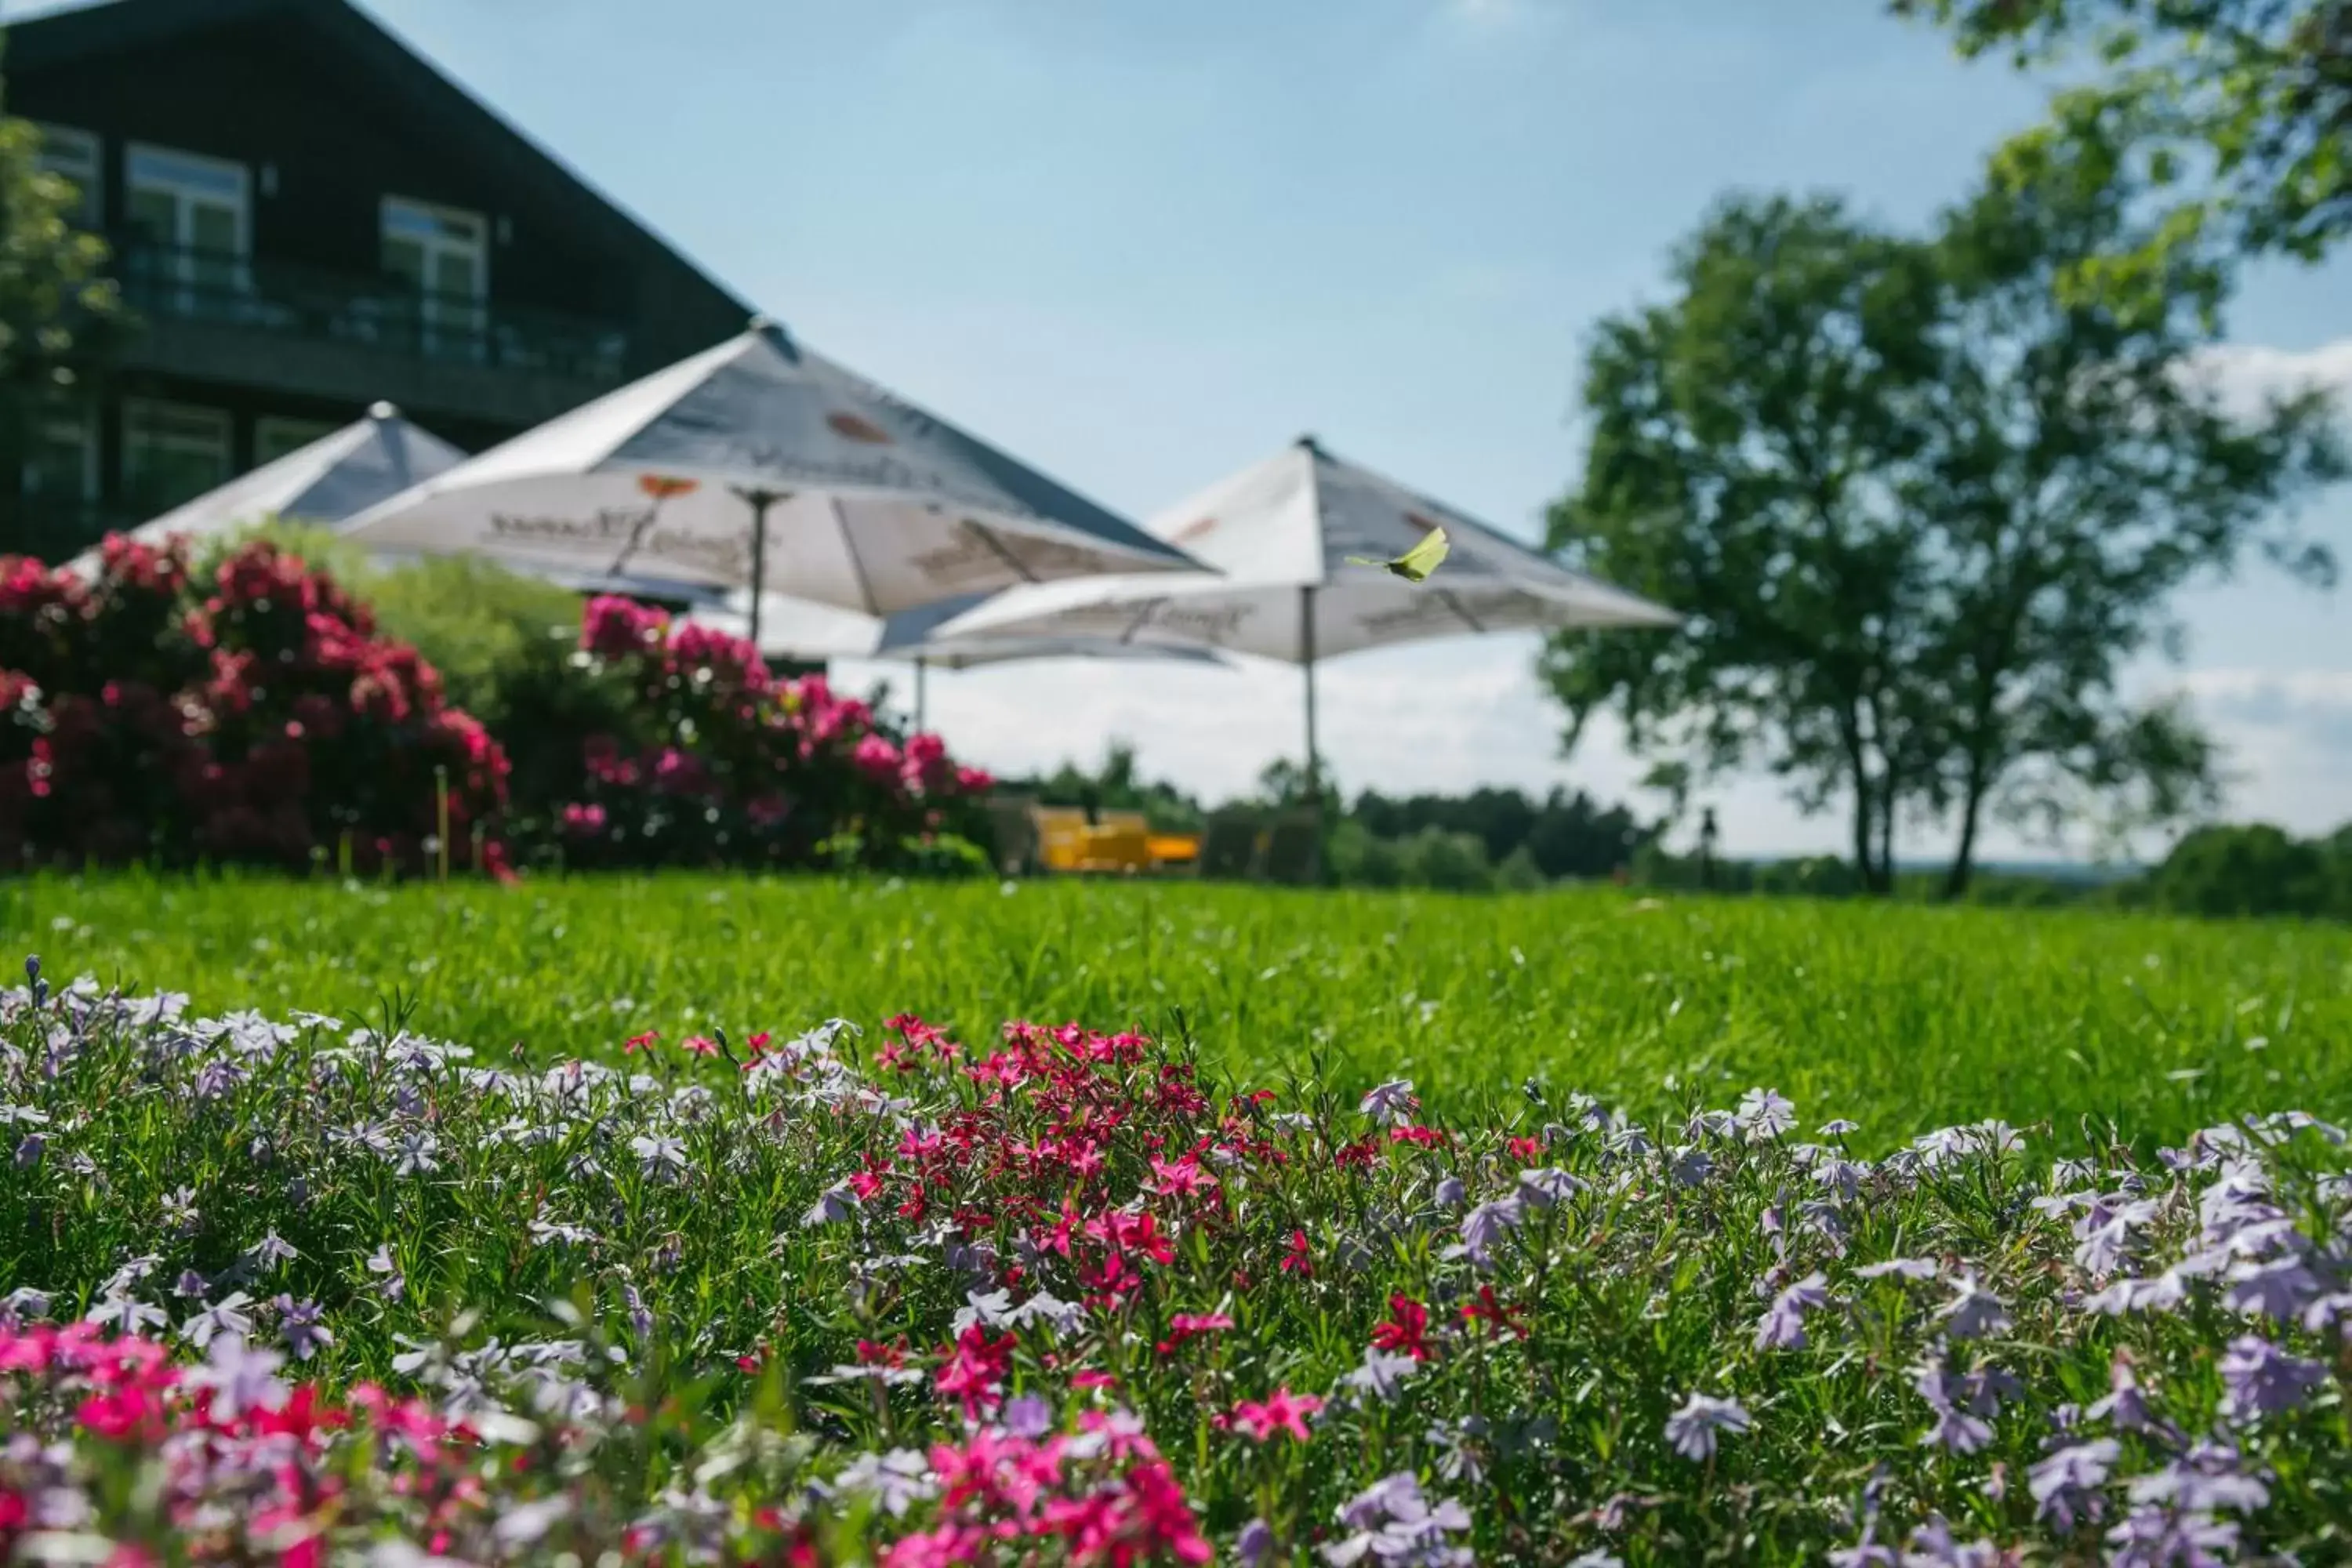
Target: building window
<point>61,454</point>
<point>77,157</point>
<point>443,256</point>
<point>194,219</point>
<point>172,452</point>
<point>274,437</point>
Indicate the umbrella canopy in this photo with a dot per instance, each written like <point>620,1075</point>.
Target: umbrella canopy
<point>798,629</point>
<point>335,478</point>
<point>1282,533</point>
<point>759,465</point>
<point>804,630</point>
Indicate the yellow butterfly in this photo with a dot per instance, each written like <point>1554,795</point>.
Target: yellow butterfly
<point>1415,564</point>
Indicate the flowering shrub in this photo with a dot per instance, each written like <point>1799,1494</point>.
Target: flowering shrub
<point>152,715</point>
<point>1054,1296</point>
<point>709,760</point>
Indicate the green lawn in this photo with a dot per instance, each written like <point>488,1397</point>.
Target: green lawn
<point>1903,1018</point>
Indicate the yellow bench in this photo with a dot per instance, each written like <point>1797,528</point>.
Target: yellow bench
<point>1120,842</point>
<point>1061,836</point>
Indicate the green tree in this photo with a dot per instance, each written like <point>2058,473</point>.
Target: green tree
<point>1751,445</point>
<point>1924,510</point>
<point>2079,472</point>
<point>56,306</point>
<point>2236,114</point>
<point>2251,870</point>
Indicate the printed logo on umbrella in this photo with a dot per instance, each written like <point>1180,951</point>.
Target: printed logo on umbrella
<point>857,427</point>
<point>1193,530</point>
<point>661,486</point>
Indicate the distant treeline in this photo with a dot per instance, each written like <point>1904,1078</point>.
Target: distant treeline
<point>1489,838</point>
<point>1506,839</point>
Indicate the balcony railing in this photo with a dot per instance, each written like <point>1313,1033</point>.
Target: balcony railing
<point>380,312</point>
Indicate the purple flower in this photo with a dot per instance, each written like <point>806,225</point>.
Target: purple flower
<point>1547,1186</point>
<point>1028,1415</point>
<point>1691,1430</point>
<point>1391,1102</point>
<point>1961,1405</point>
<point>835,1204</point>
<point>2156,1537</point>
<point>1381,1376</point>
<point>30,1150</point>
<point>1689,1167</point>
<point>269,1252</point>
<point>2279,1289</point>
<point>224,1317</point>
<point>1393,1524</point>
<point>1973,1312</point>
<point>2210,1477</point>
<point>2259,1379</point>
<point>1450,1194</point>
<point>241,1378</point>
<point>2161,1294</point>
<point>1866,1553</point>
<point>1483,1227</point>
<point>1933,1546</point>
<point>393,1286</point>
<point>2066,1486</point>
<point>896,1481</point>
<point>1783,1323</point>
<point>1252,1545</point>
<point>2125,1404</point>
<point>299,1322</point>
<point>662,1159</point>
<point>1901,1268</point>
<point>1764,1115</point>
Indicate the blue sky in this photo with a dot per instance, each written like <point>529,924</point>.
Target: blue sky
<point>1143,244</point>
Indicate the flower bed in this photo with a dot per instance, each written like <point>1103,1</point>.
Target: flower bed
<point>303,1288</point>
<point>154,716</point>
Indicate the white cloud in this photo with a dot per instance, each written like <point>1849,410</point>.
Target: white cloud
<point>2248,374</point>
<point>2290,738</point>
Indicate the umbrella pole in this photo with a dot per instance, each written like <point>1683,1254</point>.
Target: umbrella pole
<point>760,501</point>
<point>1314,764</point>
<point>922,667</point>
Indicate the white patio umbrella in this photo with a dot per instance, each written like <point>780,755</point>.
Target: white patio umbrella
<point>1282,533</point>
<point>336,476</point>
<point>798,629</point>
<point>759,465</point>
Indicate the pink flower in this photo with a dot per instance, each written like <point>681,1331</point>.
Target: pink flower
<point>1281,1411</point>
<point>584,820</point>
<point>614,627</point>
<point>975,1369</point>
<point>878,759</point>
<point>1186,1326</point>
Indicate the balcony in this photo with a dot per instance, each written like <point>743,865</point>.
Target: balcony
<point>357,338</point>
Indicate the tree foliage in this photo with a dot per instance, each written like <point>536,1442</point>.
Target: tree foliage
<point>2257,869</point>
<point>55,303</point>
<point>2239,112</point>
<point>1924,511</point>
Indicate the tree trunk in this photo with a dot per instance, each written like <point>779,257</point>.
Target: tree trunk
<point>1886,836</point>
<point>1863,824</point>
<point>1956,879</point>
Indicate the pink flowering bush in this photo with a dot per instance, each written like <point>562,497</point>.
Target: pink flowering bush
<point>253,716</point>
<point>699,756</point>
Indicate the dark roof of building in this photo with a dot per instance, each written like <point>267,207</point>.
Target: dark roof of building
<point>82,33</point>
